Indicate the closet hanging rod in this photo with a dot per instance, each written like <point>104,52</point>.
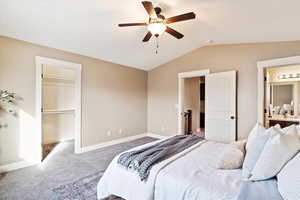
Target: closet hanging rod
<point>67,111</point>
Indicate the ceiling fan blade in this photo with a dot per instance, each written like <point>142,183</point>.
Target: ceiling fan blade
<point>133,24</point>
<point>174,33</point>
<point>147,37</point>
<point>149,8</point>
<point>183,17</point>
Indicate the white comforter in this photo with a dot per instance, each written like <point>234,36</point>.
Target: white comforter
<point>190,175</point>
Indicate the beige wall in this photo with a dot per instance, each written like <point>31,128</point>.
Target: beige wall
<point>114,97</point>
<point>163,81</point>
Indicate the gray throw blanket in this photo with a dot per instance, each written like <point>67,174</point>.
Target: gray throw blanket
<point>142,160</point>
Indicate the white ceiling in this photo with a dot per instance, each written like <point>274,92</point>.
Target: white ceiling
<point>89,27</point>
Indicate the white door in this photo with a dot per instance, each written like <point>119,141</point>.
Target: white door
<point>220,107</point>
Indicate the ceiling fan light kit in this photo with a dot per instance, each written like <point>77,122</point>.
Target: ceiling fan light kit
<point>158,24</point>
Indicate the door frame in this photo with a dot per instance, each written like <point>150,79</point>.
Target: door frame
<point>40,61</point>
<point>261,66</point>
<point>181,77</point>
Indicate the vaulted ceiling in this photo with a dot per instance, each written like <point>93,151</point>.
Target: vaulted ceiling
<point>89,27</point>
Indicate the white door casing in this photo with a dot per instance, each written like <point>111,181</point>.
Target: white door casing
<point>220,107</point>
<point>181,120</point>
<point>261,66</point>
<point>40,61</point>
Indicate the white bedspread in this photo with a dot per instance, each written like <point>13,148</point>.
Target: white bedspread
<point>194,177</point>
<point>189,175</point>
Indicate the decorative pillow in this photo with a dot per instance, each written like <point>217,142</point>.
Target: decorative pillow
<point>278,150</point>
<point>233,156</point>
<point>289,179</point>
<point>254,132</point>
<point>241,145</point>
<point>257,130</point>
<point>258,142</point>
<point>285,129</point>
<point>298,130</point>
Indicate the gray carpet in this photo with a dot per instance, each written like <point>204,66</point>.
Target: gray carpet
<point>62,173</point>
<point>84,188</point>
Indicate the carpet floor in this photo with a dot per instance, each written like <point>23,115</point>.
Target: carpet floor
<point>60,172</point>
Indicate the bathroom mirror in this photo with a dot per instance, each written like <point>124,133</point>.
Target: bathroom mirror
<point>282,98</point>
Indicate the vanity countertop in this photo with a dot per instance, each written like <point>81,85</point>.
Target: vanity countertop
<point>281,118</point>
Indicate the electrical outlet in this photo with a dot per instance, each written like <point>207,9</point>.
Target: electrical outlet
<point>108,133</point>
<point>162,129</point>
<point>120,131</point>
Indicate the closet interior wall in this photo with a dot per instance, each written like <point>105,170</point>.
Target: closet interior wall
<point>58,104</point>
<point>192,100</point>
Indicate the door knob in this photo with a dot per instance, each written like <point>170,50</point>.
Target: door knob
<point>231,117</point>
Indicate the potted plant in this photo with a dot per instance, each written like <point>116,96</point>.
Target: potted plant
<point>7,101</point>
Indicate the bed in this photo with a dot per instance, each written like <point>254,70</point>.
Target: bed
<point>189,175</point>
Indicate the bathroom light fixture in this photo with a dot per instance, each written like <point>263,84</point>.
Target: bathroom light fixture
<point>289,76</point>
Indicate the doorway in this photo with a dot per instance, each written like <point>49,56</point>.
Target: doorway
<point>262,100</point>
<point>58,97</point>
<point>191,102</point>
<point>282,93</point>
<point>219,104</point>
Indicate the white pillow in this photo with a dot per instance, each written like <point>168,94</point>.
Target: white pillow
<point>254,150</point>
<point>289,179</point>
<point>233,156</point>
<point>257,129</point>
<point>297,127</point>
<point>298,130</point>
<point>279,149</point>
<point>241,145</point>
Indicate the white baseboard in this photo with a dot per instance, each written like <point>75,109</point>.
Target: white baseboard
<point>60,140</point>
<point>109,143</point>
<point>154,135</point>
<point>15,166</point>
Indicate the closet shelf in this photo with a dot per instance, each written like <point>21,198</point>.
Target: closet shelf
<point>57,79</point>
<point>67,111</point>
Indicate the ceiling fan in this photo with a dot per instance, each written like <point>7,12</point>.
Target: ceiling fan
<point>158,24</point>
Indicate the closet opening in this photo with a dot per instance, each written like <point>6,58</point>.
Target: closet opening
<point>58,109</point>
<point>58,105</point>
